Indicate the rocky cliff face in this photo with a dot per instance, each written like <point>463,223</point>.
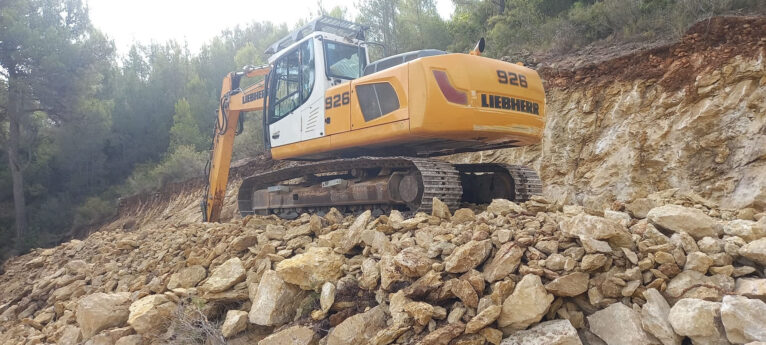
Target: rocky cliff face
<point>691,115</point>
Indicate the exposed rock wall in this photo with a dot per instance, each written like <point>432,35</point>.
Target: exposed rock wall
<point>690,115</point>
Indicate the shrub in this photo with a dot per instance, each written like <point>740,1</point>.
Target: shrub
<point>182,164</point>
<point>95,210</point>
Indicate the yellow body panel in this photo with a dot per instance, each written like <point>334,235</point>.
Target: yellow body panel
<point>398,79</point>
<point>498,112</point>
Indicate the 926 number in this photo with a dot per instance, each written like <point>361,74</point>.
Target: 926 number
<point>336,100</point>
<point>511,78</point>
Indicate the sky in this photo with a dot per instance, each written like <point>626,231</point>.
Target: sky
<point>197,21</point>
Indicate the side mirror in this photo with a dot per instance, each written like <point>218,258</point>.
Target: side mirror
<point>479,48</point>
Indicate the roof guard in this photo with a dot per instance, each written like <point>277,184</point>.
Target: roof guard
<point>332,25</point>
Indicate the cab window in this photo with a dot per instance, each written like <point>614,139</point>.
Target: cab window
<point>293,80</point>
<point>343,60</point>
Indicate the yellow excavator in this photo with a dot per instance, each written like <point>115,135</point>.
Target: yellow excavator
<point>367,131</point>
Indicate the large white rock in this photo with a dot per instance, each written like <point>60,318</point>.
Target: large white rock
<point>225,276</point>
<point>311,269</point>
<point>275,301</point>
<point>654,318</point>
<point>699,320</point>
<point>678,218</point>
<point>556,332</point>
<point>526,305</point>
<point>744,319</point>
<point>619,325</point>
<point>100,311</point>
<point>358,329</point>
<point>755,251</point>
<point>151,314</point>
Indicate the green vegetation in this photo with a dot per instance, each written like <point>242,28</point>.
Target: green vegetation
<point>81,126</point>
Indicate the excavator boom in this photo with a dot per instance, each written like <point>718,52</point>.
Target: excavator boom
<point>233,102</point>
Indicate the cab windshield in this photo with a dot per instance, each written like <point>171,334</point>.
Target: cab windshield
<point>343,60</point>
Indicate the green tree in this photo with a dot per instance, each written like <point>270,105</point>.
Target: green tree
<point>48,50</point>
<point>185,130</point>
<point>382,18</point>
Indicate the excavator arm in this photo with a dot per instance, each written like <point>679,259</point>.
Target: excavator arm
<point>233,102</point>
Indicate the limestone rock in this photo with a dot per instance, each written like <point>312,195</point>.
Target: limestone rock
<point>483,319</point>
<point>100,311</point>
<point>354,234</point>
<point>225,276</point>
<point>585,225</point>
<point>505,262</point>
<point>151,314</point>
<point>698,261</point>
<point>654,318</point>
<point>311,269</point>
<point>443,335</point>
<point>358,329</point>
<point>569,285</point>
<point>503,207</point>
<point>640,207</point>
<point>468,256</point>
<point>556,332</point>
<point>755,251</point>
<point>244,241</point>
<point>275,301</point>
<point>295,335</point>
<point>187,277</point>
<point>751,287</point>
<point>440,210</point>
<point>698,320</point>
<point>619,325</point>
<point>747,230</point>
<point>526,305</point>
<point>327,296</point>
<point>235,322</point>
<point>70,335</point>
<point>413,262</point>
<point>389,273</point>
<point>463,215</point>
<point>743,319</point>
<point>693,284</point>
<point>421,312</point>
<point>133,339</point>
<point>678,218</point>
<point>370,274</point>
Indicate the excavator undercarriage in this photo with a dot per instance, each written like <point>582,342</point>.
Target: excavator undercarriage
<point>382,184</point>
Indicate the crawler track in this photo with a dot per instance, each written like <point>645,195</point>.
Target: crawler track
<point>433,179</point>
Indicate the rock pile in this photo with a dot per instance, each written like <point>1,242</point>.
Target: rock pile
<point>656,270</point>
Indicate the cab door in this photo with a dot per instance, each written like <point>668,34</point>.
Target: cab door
<point>295,111</point>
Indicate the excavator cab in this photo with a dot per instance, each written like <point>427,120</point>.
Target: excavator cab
<point>301,73</point>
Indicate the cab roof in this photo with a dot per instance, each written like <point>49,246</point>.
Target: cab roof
<point>328,24</point>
